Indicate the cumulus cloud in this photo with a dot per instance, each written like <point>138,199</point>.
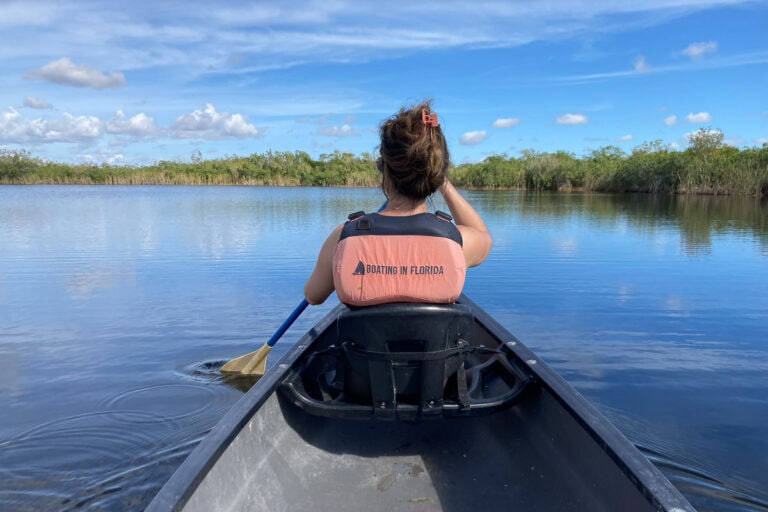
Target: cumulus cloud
<point>472,138</point>
<point>8,119</point>
<point>211,124</point>
<point>671,120</point>
<point>66,72</point>
<point>337,131</point>
<point>701,117</point>
<point>626,138</point>
<point>69,128</point>
<point>641,66</point>
<point>74,128</point>
<point>38,103</point>
<point>762,140</point>
<point>696,51</point>
<point>506,122</point>
<point>572,119</point>
<point>137,126</point>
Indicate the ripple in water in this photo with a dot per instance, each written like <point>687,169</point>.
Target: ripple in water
<point>119,456</point>
<point>210,371</point>
<point>701,480</point>
<point>205,371</point>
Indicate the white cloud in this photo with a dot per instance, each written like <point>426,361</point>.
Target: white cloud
<point>196,35</point>
<point>38,103</point>
<point>137,126</point>
<point>762,140</point>
<point>696,51</point>
<point>701,117</point>
<point>175,45</point>
<point>210,124</point>
<point>65,72</point>
<point>337,131</point>
<point>641,66</point>
<point>74,128</point>
<point>69,128</point>
<point>626,138</point>
<point>506,122</point>
<point>473,138</point>
<point>671,120</point>
<point>745,59</point>
<point>572,119</point>
<point>8,119</point>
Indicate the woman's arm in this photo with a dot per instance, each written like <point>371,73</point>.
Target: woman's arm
<point>320,284</point>
<point>477,239</point>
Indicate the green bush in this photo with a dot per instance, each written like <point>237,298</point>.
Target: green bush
<point>707,166</point>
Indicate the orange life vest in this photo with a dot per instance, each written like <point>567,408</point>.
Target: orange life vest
<point>382,259</point>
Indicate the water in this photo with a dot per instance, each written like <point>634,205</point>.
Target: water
<point>118,305</point>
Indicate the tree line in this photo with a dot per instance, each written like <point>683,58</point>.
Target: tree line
<point>707,166</point>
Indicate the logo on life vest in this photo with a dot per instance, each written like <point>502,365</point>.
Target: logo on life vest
<point>361,269</point>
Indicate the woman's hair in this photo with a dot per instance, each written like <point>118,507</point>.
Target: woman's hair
<point>413,152</point>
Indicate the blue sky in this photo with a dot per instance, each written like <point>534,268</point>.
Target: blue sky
<point>137,82</point>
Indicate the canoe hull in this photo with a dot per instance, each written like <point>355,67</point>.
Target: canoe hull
<point>550,451</point>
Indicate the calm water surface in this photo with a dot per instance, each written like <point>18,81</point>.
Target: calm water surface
<point>118,305</point>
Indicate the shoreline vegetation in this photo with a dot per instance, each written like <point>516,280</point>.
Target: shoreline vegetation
<point>707,166</point>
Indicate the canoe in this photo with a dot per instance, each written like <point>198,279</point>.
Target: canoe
<point>415,407</point>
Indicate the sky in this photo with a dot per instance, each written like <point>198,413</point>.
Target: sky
<point>133,83</point>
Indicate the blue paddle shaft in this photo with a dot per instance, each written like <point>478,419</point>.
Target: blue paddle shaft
<point>296,313</point>
<point>288,322</point>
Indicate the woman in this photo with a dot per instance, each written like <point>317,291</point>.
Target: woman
<point>404,253</point>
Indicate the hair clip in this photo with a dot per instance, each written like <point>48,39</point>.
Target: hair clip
<point>429,119</point>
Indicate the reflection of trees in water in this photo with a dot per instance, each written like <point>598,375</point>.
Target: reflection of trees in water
<point>698,217</point>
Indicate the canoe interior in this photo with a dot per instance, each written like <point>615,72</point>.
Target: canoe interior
<point>548,451</point>
<point>531,457</point>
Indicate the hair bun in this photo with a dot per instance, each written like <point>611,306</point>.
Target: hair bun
<point>414,151</point>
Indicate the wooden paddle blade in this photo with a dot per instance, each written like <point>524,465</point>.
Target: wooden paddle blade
<point>254,363</point>
<point>236,365</point>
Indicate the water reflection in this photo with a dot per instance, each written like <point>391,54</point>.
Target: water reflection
<point>9,371</point>
<point>697,218</point>
<point>85,281</point>
<point>118,305</point>
<point>201,220</point>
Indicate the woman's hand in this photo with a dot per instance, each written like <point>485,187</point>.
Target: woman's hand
<point>477,241</point>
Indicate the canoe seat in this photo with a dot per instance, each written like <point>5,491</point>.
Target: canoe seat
<point>405,362</point>
<point>404,354</point>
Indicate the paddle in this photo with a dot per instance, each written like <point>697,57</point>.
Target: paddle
<point>255,363</point>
